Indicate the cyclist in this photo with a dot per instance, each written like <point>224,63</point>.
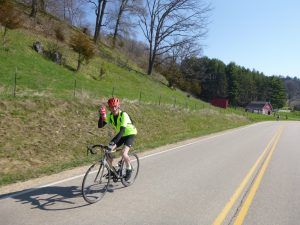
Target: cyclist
<point>124,128</point>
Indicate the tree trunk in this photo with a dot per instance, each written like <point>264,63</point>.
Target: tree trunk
<point>97,25</point>
<point>33,8</point>
<point>117,28</point>
<point>100,14</point>
<point>42,5</point>
<point>150,68</point>
<point>151,63</point>
<point>64,10</point>
<point>152,55</point>
<point>4,37</point>
<point>121,10</point>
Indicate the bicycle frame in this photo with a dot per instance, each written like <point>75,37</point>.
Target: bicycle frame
<point>103,161</point>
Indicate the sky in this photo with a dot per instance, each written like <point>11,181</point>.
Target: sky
<point>257,34</point>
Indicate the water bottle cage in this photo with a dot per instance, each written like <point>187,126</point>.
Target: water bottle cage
<point>120,163</point>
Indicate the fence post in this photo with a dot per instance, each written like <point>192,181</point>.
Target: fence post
<point>113,91</point>
<point>159,99</point>
<point>15,83</point>
<point>140,97</point>
<point>74,88</point>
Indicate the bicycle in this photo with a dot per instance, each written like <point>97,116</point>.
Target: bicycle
<point>96,180</point>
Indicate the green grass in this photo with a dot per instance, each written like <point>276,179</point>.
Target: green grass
<point>36,73</point>
<point>289,115</point>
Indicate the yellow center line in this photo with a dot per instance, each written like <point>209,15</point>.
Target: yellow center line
<point>220,218</point>
<point>244,210</point>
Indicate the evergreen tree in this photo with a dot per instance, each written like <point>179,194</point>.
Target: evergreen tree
<point>218,81</point>
<point>232,77</point>
<point>278,95</point>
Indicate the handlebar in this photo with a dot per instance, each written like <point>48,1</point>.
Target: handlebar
<point>91,149</point>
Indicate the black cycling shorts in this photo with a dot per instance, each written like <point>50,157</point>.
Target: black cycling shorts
<point>127,140</point>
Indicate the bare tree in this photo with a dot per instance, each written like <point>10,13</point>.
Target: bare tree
<point>99,7</point>
<point>73,11</point>
<point>126,6</point>
<point>167,24</point>
<point>33,8</point>
<point>180,52</point>
<point>68,10</point>
<point>122,8</point>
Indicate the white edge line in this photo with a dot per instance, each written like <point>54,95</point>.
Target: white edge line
<point>144,157</point>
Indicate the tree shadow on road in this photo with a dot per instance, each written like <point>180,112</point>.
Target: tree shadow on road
<point>50,198</point>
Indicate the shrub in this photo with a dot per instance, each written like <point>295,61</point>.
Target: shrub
<point>59,34</point>
<point>9,18</point>
<point>81,44</point>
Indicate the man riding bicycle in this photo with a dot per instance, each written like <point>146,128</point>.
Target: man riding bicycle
<point>124,128</point>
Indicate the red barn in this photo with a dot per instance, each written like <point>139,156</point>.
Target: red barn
<point>219,102</point>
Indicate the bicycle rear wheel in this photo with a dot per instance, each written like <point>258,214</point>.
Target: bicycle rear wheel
<point>135,165</point>
<point>95,183</point>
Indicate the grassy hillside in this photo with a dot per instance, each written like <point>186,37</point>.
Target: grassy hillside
<point>45,135</point>
<point>45,127</point>
<point>37,75</point>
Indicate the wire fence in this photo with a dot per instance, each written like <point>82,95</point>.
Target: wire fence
<point>18,86</point>
<point>80,89</point>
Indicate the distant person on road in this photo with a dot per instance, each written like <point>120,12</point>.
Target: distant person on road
<point>125,130</point>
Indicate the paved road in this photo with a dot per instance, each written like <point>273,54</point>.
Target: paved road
<point>249,175</point>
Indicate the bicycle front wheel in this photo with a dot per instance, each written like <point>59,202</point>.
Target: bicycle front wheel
<point>95,183</point>
<point>135,166</point>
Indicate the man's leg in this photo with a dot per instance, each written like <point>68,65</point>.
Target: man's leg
<point>126,157</point>
<point>127,162</point>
